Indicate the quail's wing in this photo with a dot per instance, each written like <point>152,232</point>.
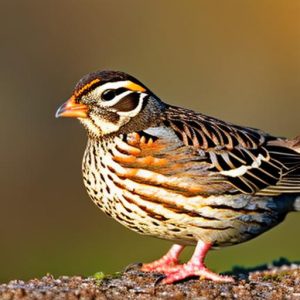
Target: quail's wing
<point>250,160</point>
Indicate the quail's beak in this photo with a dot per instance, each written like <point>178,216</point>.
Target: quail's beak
<point>72,109</point>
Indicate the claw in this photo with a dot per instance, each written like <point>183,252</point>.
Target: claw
<point>170,267</point>
<point>190,270</point>
<point>195,267</point>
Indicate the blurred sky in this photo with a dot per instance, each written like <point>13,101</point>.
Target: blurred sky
<point>236,60</point>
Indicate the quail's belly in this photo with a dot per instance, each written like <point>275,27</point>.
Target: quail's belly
<point>153,184</point>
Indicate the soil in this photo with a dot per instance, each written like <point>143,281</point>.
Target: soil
<point>273,282</point>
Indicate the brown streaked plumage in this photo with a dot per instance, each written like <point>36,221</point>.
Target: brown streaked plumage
<point>176,174</point>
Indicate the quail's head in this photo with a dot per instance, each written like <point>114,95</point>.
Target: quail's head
<point>112,102</point>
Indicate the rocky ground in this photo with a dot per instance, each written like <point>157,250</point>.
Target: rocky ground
<point>267,283</point>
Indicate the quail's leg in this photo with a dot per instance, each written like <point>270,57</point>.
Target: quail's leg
<point>194,267</point>
<point>169,260</point>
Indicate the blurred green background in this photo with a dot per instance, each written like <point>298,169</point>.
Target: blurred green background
<point>236,60</point>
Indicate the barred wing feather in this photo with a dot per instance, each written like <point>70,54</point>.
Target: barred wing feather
<point>249,159</point>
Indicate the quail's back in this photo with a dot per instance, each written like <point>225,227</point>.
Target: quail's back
<point>176,174</point>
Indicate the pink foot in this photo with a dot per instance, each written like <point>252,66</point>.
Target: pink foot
<point>166,262</point>
<point>195,267</point>
<point>189,270</point>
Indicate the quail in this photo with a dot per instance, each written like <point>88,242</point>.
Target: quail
<point>176,174</point>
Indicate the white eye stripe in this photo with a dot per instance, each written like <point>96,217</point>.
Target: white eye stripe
<point>115,100</point>
<point>97,92</point>
<point>98,126</point>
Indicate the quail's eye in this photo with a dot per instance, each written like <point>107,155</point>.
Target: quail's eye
<point>108,95</point>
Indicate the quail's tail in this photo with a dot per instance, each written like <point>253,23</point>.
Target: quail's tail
<point>287,153</point>
<point>296,146</point>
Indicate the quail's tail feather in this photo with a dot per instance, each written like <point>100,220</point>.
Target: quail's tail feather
<point>296,147</point>
<point>287,154</point>
<point>294,162</point>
